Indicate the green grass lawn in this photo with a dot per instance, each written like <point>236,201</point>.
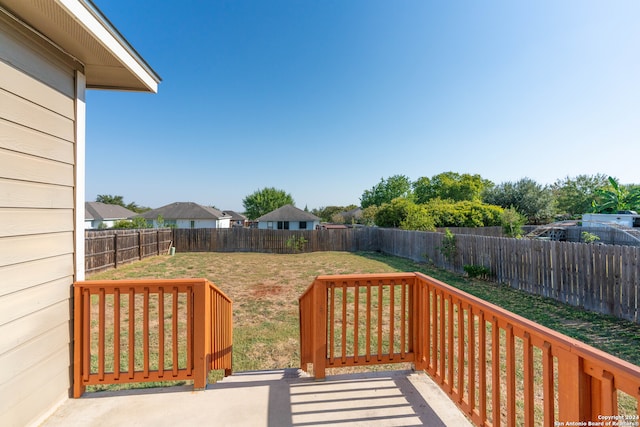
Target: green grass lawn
<point>265,290</point>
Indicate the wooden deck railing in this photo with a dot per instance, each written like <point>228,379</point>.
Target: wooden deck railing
<point>149,330</point>
<point>499,368</point>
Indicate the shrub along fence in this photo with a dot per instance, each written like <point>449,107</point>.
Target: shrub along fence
<point>600,278</point>
<point>110,248</point>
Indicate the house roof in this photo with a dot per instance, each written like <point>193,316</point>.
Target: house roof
<point>288,213</point>
<point>78,28</point>
<point>184,210</point>
<point>105,211</point>
<point>235,216</point>
<point>355,212</point>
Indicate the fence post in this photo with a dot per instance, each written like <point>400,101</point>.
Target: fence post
<point>201,334</point>
<point>140,244</point>
<point>115,249</point>
<point>319,319</point>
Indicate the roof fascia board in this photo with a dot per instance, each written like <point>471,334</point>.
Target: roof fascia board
<point>97,25</point>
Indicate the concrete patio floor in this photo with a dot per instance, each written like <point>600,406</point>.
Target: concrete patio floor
<point>273,398</point>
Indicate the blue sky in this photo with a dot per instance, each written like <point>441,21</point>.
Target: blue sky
<point>322,99</point>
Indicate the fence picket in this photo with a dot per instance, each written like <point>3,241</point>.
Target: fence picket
<point>602,278</point>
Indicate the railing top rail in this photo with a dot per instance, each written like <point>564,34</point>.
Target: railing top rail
<point>110,285</point>
<point>358,277</point>
<point>553,337</point>
<point>367,276</point>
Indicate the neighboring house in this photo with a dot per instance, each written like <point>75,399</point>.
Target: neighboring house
<point>628,219</point>
<point>352,216</point>
<point>327,226</point>
<point>104,215</point>
<point>288,217</point>
<point>237,220</point>
<point>51,52</point>
<point>187,215</point>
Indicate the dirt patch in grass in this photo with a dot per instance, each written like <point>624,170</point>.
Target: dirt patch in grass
<point>265,290</point>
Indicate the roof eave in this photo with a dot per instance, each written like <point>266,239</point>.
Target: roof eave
<point>80,30</point>
<point>99,25</point>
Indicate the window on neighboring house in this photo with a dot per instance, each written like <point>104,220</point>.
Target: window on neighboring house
<point>283,225</point>
<point>303,225</point>
<point>193,224</point>
<point>269,225</point>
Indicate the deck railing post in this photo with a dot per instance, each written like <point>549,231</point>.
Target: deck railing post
<point>417,318</point>
<point>319,349</point>
<point>574,388</point>
<point>201,337</point>
<point>78,387</point>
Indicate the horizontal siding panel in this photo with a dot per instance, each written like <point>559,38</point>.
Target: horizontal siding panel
<point>31,353</point>
<point>14,250</point>
<point>28,168</point>
<point>35,59</point>
<point>24,140</point>
<point>22,194</point>
<point>20,222</point>
<point>23,303</point>
<point>26,113</point>
<point>17,82</point>
<point>25,275</point>
<point>29,327</point>
<point>27,396</point>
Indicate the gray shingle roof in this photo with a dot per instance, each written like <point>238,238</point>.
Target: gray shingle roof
<point>184,210</point>
<point>288,213</point>
<point>235,216</point>
<point>99,210</point>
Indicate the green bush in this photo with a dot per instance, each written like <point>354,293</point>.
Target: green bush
<point>448,248</point>
<point>296,244</point>
<point>463,214</point>
<point>512,222</point>
<point>589,237</point>
<point>477,271</point>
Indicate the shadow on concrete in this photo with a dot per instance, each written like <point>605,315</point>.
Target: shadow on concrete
<point>285,397</point>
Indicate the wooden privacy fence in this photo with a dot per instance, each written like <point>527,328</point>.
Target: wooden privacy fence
<point>110,248</point>
<point>499,368</point>
<point>149,330</point>
<point>272,241</point>
<point>600,278</point>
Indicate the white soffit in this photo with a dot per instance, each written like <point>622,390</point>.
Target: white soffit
<point>81,30</point>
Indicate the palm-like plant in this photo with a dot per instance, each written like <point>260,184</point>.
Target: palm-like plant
<point>616,198</point>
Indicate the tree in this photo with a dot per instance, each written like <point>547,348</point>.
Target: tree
<point>394,213</point>
<point>386,190</point>
<point>327,213</point>
<point>135,223</point>
<point>369,215</point>
<point>264,201</point>
<point>450,186</point>
<point>118,200</point>
<point>465,213</point>
<point>418,218</point>
<point>529,198</point>
<point>512,222</point>
<point>110,200</point>
<point>574,196</point>
<point>616,197</point>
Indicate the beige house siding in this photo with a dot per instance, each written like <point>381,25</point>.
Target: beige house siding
<point>37,216</point>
